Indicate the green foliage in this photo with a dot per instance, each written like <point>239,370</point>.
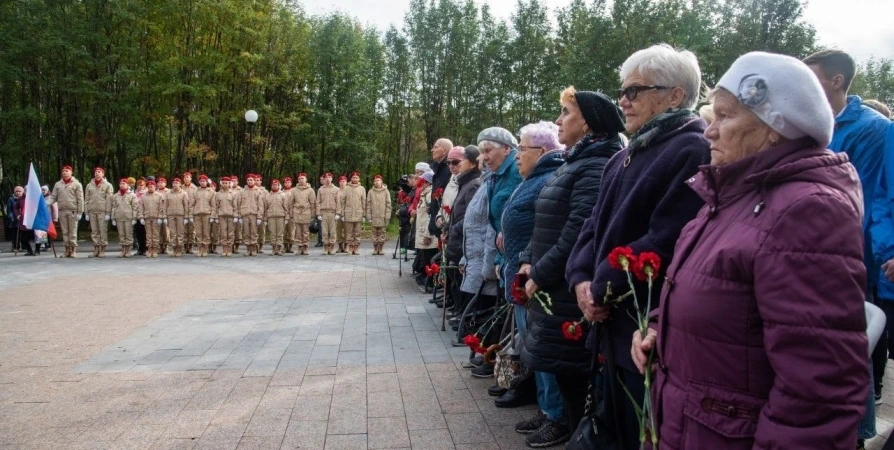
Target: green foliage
<point>156,87</point>
<point>875,80</point>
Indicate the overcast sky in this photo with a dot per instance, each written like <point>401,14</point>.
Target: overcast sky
<point>862,28</point>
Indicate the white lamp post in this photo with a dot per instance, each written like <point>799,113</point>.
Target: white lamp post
<point>251,116</point>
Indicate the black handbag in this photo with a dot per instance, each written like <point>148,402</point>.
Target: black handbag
<point>314,226</point>
<point>592,432</point>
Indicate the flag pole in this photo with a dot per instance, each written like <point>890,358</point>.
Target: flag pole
<point>52,246</point>
<point>17,242</point>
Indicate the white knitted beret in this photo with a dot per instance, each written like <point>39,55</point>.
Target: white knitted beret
<point>784,93</point>
<point>422,167</point>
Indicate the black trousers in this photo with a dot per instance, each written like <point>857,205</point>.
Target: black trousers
<point>618,413</point>
<point>139,232</point>
<point>573,387</point>
<point>884,350</point>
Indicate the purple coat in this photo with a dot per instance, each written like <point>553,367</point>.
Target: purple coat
<point>761,329</point>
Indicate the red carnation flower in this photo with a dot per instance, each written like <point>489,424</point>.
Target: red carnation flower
<point>621,258</point>
<point>647,265</point>
<point>572,331</point>
<point>474,342</point>
<point>447,210</point>
<point>518,292</point>
<point>438,193</point>
<point>432,269</point>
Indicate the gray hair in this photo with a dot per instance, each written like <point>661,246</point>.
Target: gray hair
<point>667,66</point>
<point>486,146</point>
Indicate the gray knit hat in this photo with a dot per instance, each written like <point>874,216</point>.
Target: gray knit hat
<point>498,135</point>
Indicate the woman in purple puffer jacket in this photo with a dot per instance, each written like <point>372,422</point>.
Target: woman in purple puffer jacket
<point>760,333</point>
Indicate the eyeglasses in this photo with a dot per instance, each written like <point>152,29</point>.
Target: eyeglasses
<point>631,92</point>
<point>454,162</point>
<point>528,147</point>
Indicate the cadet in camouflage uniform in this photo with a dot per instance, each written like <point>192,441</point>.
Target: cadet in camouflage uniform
<point>304,208</point>
<point>276,214</point>
<point>262,228</point>
<point>124,216</point>
<point>225,207</point>
<point>177,212</point>
<point>152,215</point>
<point>378,212</point>
<point>215,224</point>
<point>327,206</point>
<point>249,205</point>
<point>164,233</point>
<point>201,206</point>
<point>339,219</point>
<point>190,190</point>
<point>235,188</point>
<point>289,234</point>
<point>69,194</point>
<point>98,203</point>
<point>353,209</point>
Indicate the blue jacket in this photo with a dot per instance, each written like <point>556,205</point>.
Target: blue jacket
<point>518,215</point>
<point>860,132</point>
<point>499,189</point>
<point>882,220</point>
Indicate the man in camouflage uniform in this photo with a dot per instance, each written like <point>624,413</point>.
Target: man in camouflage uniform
<point>339,218</point>
<point>98,203</point>
<point>235,188</point>
<point>353,209</point>
<point>164,233</point>
<point>304,208</point>
<point>177,213</point>
<point>69,194</point>
<point>276,212</point>
<point>152,215</point>
<point>225,210</point>
<point>289,234</point>
<point>215,224</point>
<point>262,228</point>
<point>249,202</point>
<point>327,207</point>
<point>201,206</point>
<point>378,212</point>
<point>124,216</point>
<point>190,190</point>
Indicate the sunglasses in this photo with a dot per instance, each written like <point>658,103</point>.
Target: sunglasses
<point>631,92</point>
<point>455,162</point>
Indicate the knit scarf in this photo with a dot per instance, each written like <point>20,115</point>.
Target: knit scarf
<point>96,182</point>
<point>122,191</point>
<point>584,143</point>
<point>67,181</point>
<point>656,129</point>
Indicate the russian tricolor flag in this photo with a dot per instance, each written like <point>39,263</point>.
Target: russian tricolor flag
<point>37,215</point>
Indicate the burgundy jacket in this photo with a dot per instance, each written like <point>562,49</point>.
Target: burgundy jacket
<point>761,329</point>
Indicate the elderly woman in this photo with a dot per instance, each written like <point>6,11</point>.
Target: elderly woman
<point>539,155</point>
<point>589,124</point>
<point>761,336</point>
<point>643,204</point>
<point>426,244</point>
<point>468,181</point>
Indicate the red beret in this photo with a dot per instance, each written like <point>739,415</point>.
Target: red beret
<point>66,167</point>
<point>328,174</point>
<point>176,180</point>
<point>286,179</point>
<point>377,177</point>
<point>123,180</point>
<point>342,178</point>
<point>203,177</point>
<point>225,179</point>
<point>354,174</point>
<point>99,168</point>
<point>275,181</point>
<point>187,174</point>
<point>302,174</point>
<point>150,183</point>
<point>160,179</point>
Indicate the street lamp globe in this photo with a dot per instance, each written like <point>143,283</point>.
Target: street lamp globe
<point>251,116</point>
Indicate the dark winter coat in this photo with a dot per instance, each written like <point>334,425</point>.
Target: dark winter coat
<point>643,203</point>
<point>20,213</point>
<point>761,328</point>
<point>468,183</point>
<point>518,215</point>
<point>564,204</point>
<point>500,187</point>
<point>438,181</point>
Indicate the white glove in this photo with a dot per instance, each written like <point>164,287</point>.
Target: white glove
<point>240,220</point>
<point>87,218</point>
<point>258,221</point>
<point>166,221</point>
<point>142,222</point>
<point>114,223</point>
<point>158,221</point>
<point>235,220</point>
<point>286,222</point>
<point>320,218</point>
<point>211,219</point>
<point>337,217</point>
<point>133,222</point>
<point>108,217</point>
<point>190,219</point>
<point>185,221</point>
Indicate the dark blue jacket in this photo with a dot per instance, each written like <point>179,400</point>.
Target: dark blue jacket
<point>643,204</point>
<point>882,221</point>
<point>499,188</point>
<point>518,215</point>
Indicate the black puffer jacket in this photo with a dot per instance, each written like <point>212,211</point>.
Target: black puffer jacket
<point>564,203</point>
<point>468,184</point>
<point>439,181</point>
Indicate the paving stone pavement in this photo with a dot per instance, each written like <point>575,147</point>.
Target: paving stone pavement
<point>315,352</point>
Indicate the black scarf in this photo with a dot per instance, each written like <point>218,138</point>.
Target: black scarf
<point>657,129</point>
